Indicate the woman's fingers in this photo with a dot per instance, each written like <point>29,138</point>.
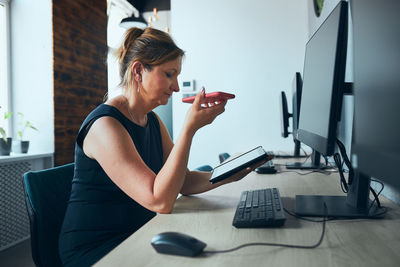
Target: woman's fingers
<point>198,101</point>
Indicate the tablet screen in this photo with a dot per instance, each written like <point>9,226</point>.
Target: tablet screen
<point>237,164</point>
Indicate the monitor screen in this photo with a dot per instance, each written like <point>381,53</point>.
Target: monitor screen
<point>376,144</point>
<point>323,82</point>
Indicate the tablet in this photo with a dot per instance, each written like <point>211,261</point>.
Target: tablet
<point>230,167</point>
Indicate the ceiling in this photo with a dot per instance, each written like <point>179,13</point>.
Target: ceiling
<point>148,5</point>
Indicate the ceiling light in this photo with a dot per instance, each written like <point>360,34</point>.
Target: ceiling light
<point>133,21</point>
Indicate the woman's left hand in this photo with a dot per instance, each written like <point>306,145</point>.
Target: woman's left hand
<point>241,174</point>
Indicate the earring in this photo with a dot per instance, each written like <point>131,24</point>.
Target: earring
<point>138,84</point>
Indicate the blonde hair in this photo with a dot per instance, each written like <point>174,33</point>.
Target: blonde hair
<point>151,47</point>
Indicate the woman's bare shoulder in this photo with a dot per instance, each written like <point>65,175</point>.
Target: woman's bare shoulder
<point>117,102</point>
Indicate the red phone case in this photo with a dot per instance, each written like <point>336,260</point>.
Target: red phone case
<point>210,97</point>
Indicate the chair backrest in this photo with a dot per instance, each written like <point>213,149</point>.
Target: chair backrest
<point>46,195</point>
<point>223,157</point>
<point>204,168</point>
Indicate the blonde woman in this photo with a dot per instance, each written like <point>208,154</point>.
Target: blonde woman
<point>127,168</point>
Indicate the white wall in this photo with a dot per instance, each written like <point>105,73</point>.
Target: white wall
<point>32,70</point>
<point>115,34</point>
<point>250,48</point>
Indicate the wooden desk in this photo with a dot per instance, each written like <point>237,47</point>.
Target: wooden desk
<point>208,217</point>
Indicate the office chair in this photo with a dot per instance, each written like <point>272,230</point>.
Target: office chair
<point>223,157</point>
<point>46,196</point>
<point>204,168</point>
<point>208,168</point>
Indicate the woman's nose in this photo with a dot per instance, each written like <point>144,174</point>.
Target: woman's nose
<point>175,86</point>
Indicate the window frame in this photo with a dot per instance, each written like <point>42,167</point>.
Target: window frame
<point>7,106</point>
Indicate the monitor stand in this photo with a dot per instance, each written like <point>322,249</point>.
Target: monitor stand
<point>355,205</point>
<point>296,153</point>
<point>314,164</point>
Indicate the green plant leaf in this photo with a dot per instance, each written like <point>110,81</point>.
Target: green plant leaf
<point>28,124</point>
<point>7,115</point>
<point>3,134</point>
<point>19,134</point>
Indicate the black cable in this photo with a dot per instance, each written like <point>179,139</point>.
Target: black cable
<point>343,183</point>
<point>376,196</point>
<point>351,175</point>
<point>307,173</point>
<point>277,244</point>
<point>346,160</point>
<point>307,219</point>
<point>326,161</point>
<point>305,160</point>
<point>305,153</point>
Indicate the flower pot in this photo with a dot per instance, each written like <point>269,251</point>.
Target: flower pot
<point>5,147</point>
<point>24,146</point>
<point>20,146</point>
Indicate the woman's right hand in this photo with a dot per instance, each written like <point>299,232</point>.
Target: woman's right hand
<point>201,114</point>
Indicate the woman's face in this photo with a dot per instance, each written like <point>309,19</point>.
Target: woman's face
<point>159,83</point>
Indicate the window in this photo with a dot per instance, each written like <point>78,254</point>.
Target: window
<point>4,59</point>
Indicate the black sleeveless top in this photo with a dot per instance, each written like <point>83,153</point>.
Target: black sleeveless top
<point>99,214</point>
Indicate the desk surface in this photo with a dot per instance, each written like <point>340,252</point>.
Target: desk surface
<point>208,217</point>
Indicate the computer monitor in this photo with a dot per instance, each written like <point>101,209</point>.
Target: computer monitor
<point>297,86</point>
<point>285,115</point>
<point>370,124</point>
<point>376,144</point>
<point>323,87</point>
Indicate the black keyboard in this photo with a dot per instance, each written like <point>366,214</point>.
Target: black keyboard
<point>259,208</point>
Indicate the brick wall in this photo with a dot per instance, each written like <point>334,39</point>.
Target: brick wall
<point>80,70</point>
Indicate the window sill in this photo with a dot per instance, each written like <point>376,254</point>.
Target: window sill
<point>24,156</point>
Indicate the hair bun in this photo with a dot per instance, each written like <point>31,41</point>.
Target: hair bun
<point>129,38</point>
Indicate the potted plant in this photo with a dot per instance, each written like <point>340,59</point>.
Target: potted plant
<point>24,124</point>
<point>5,141</point>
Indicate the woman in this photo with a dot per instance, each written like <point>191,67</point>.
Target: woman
<point>127,168</point>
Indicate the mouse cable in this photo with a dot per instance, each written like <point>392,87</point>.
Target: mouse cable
<point>278,244</point>
<point>309,172</point>
<point>308,219</point>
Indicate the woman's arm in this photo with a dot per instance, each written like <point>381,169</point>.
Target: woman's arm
<point>197,182</point>
<point>110,144</point>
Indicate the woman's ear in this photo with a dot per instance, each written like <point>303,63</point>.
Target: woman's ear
<point>137,70</point>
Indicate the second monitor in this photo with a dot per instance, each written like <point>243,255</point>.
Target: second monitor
<point>285,115</point>
<point>323,86</point>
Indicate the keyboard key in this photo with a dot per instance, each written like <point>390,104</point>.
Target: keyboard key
<point>249,199</point>
<point>255,199</point>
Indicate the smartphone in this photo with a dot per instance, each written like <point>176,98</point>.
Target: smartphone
<point>210,97</point>
<point>230,167</point>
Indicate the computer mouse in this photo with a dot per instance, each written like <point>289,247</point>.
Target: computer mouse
<point>175,243</point>
<point>265,170</point>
